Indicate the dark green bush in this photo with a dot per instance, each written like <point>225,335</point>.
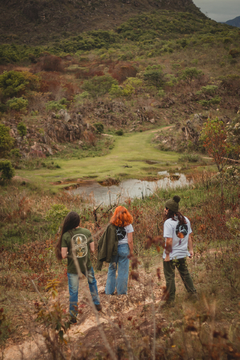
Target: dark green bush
<point>7,171</point>
<point>99,127</point>
<point>154,76</point>
<point>119,132</point>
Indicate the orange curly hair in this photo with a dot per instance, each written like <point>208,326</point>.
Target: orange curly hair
<point>121,217</point>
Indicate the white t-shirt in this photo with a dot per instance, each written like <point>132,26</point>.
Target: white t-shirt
<point>179,235</point>
<point>122,233</point>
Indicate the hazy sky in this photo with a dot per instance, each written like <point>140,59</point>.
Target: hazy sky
<point>219,10</point>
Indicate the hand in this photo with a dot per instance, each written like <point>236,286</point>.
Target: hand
<point>191,254</point>
<point>167,258</point>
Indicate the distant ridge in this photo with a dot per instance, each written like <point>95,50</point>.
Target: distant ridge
<point>38,22</point>
<point>234,22</point>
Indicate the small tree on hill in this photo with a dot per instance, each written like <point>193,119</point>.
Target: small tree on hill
<point>214,137</point>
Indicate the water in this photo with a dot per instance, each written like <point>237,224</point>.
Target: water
<point>126,189</point>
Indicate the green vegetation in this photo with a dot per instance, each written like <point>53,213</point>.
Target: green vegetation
<point>6,141</point>
<point>22,129</point>
<point>6,170</point>
<point>99,85</point>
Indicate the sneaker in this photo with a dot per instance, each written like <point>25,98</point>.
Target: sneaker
<point>167,305</point>
<point>73,320</point>
<point>98,307</point>
<point>193,296</point>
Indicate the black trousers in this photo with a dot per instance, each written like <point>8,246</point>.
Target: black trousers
<point>169,273</point>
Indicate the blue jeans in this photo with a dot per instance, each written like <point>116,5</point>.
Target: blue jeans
<point>122,262</point>
<point>73,284</point>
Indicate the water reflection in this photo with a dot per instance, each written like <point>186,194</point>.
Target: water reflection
<point>131,188</point>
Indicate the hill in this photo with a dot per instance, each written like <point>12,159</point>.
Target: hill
<point>234,22</point>
<point>42,21</point>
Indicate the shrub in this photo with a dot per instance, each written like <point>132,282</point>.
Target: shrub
<point>234,53</point>
<point>116,91</point>
<point>99,127</point>
<point>6,141</point>
<point>215,100</point>
<point>119,132</point>
<point>55,215</point>
<point>189,74</point>
<point>80,97</point>
<point>99,85</point>
<point>22,129</point>
<point>161,93</point>
<point>189,158</point>
<point>51,63</point>
<point>14,83</point>
<point>17,104</point>
<point>130,86</point>
<point>123,71</point>
<point>154,76</point>
<point>7,171</point>
<point>14,153</point>
<point>209,89</point>
<point>57,105</point>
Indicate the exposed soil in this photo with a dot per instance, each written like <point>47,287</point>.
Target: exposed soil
<point>120,316</point>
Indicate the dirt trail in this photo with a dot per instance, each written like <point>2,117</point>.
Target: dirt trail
<point>116,308</point>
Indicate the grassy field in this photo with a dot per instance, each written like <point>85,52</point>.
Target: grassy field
<point>128,159</point>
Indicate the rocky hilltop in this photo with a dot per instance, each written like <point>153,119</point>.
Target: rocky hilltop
<point>40,21</point>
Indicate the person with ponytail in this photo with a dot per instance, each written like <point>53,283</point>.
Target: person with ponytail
<point>178,246</point>
<point>78,241</point>
<point>122,221</point>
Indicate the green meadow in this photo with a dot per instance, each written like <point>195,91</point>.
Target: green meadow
<point>133,156</point>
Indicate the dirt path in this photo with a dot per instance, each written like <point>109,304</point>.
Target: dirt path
<point>135,308</point>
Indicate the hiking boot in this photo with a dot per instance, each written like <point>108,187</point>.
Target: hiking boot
<point>98,307</point>
<point>73,320</point>
<point>167,305</point>
<point>193,296</point>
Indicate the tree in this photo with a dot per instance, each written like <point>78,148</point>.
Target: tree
<point>214,137</point>
<point>154,76</point>
<point>189,74</point>
<point>6,141</point>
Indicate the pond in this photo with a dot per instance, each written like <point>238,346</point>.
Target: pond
<point>131,188</point>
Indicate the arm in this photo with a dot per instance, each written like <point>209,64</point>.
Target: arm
<point>190,246</point>
<point>92,247</point>
<point>64,252</point>
<point>130,242</point>
<point>168,248</point>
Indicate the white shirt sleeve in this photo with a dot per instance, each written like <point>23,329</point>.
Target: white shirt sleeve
<point>167,230</point>
<point>129,229</point>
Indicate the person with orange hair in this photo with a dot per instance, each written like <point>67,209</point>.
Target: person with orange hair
<point>122,220</point>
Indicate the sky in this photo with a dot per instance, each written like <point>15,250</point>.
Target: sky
<point>219,10</point>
